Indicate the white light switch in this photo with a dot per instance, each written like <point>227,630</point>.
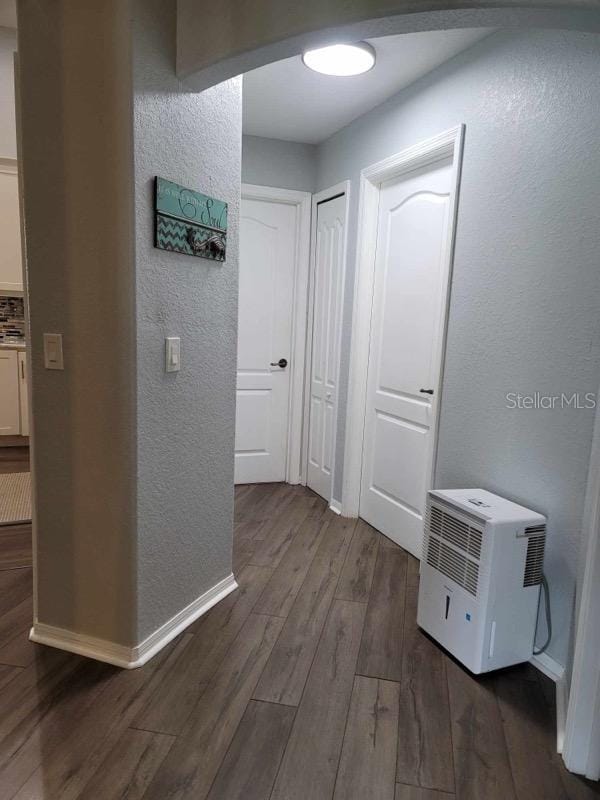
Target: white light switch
<point>173,353</point>
<point>53,352</point>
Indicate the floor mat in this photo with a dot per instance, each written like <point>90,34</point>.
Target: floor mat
<point>15,498</point>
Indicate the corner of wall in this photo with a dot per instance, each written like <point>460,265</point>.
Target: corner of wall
<point>77,166</point>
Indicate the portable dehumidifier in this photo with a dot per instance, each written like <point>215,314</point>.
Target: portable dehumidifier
<point>480,577</point>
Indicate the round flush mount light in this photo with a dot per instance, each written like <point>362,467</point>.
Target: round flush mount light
<point>341,59</point>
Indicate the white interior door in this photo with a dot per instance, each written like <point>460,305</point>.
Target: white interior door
<point>266,295</point>
<point>407,323</point>
<point>327,283</point>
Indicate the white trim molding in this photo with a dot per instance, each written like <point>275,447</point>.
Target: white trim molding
<point>551,668</point>
<point>562,702</point>
<point>137,656</point>
<point>342,188</point>
<point>581,751</point>
<point>448,144</point>
<point>302,201</point>
<point>335,506</point>
<point>556,672</point>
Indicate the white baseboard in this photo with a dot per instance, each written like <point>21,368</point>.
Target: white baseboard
<point>556,672</point>
<point>551,668</point>
<point>562,701</point>
<point>89,646</point>
<point>178,623</point>
<point>132,657</point>
<point>335,506</point>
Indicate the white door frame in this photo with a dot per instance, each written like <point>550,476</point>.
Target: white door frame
<point>581,746</point>
<point>320,197</point>
<point>445,145</point>
<point>297,356</point>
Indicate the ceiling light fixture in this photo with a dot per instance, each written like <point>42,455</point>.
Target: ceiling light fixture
<point>341,59</point>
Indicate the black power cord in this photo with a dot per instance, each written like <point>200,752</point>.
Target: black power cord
<point>548,617</point>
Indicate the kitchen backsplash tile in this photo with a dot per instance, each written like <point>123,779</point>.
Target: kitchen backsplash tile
<point>12,318</point>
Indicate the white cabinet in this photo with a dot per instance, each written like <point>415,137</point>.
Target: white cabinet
<point>23,393</point>
<point>11,267</point>
<point>10,412</point>
<point>14,395</point>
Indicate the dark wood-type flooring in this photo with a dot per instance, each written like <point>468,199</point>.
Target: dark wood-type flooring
<point>310,682</point>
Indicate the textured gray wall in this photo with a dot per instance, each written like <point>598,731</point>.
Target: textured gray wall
<point>273,162</point>
<point>186,419</point>
<point>526,287</point>
<point>77,152</point>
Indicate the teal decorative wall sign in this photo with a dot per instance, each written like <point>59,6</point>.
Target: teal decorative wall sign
<point>189,222</point>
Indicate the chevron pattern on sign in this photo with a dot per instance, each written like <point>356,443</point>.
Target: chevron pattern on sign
<point>190,239</point>
<point>172,235</point>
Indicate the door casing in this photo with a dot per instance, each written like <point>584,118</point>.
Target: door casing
<point>578,706</point>
<point>302,201</point>
<point>448,144</point>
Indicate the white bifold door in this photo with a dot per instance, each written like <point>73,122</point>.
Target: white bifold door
<point>408,314</point>
<point>323,382</point>
<point>268,246</point>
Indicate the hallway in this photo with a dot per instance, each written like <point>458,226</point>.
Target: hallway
<point>311,681</point>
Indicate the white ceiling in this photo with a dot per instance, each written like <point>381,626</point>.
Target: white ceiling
<point>8,14</point>
<point>286,100</point>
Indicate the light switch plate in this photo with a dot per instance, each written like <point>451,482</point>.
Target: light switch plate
<point>172,354</point>
<point>53,351</point>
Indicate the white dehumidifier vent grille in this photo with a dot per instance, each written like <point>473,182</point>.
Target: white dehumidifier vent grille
<point>454,530</point>
<point>534,561</point>
<point>455,562</point>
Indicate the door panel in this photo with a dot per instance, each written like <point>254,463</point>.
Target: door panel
<point>266,287</point>
<point>401,481</point>
<point>9,396</point>
<point>327,282</point>
<point>410,269</point>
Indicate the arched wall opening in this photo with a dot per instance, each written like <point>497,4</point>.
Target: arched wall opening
<point>252,34</point>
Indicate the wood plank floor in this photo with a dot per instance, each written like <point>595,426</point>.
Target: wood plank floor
<point>15,540</point>
<point>312,681</point>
